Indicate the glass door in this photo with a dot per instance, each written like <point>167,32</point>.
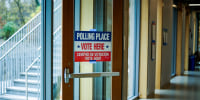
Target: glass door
<point>89,50</point>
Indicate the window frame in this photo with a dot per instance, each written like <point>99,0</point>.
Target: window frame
<point>46,50</point>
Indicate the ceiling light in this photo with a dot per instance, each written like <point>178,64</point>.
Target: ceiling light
<point>194,4</point>
<point>174,6</point>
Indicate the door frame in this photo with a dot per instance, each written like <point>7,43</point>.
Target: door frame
<point>117,54</point>
<point>67,46</point>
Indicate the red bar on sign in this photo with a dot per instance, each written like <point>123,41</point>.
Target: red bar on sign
<point>86,56</point>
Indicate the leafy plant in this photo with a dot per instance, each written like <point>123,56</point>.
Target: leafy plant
<point>1,34</point>
<point>38,9</point>
<point>9,29</point>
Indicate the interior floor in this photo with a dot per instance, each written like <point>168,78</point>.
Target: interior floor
<point>185,87</point>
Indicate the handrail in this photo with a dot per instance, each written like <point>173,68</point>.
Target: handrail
<point>57,7</point>
<point>26,76</point>
<point>18,43</point>
<point>23,39</point>
<point>20,29</point>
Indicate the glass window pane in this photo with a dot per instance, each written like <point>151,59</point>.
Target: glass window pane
<point>131,49</point>
<point>57,49</point>
<point>94,15</point>
<point>20,48</point>
<point>133,45</point>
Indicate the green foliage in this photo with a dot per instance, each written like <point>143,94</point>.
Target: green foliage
<point>9,29</point>
<point>3,10</point>
<point>38,9</point>
<point>15,13</point>
<point>1,34</point>
<point>37,2</point>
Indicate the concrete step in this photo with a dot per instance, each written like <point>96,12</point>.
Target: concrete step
<point>31,83</point>
<point>21,91</point>
<point>16,97</point>
<point>31,75</point>
<point>18,90</point>
<point>35,69</point>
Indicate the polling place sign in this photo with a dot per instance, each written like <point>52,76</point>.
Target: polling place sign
<point>92,46</point>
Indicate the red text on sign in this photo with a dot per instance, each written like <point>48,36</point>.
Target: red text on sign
<point>92,55</point>
<point>98,46</point>
<point>86,46</point>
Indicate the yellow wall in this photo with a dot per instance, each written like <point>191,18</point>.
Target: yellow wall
<point>187,36</point>
<point>166,60</point>
<point>144,48</point>
<point>147,64</point>
<point>158,43</point>
<point>179,40</point>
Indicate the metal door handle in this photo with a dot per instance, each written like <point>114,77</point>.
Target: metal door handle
<point>68,75</point>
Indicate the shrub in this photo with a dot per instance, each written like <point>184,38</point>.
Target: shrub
<point>1,34</point>
<point>9,29</point>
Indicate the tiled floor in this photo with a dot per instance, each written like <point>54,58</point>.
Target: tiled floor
<point>185,87</point>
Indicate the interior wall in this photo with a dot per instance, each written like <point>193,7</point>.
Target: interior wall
<point>196,32</point>
<point>191,33</point>
<point>147,65</point>
<point>158,42</point>
<point>179,40</point>
<point>183,40</point>
<point>151,67</point>
<point>187,31</point>
<point>167,49</point>
<point>143,48</point>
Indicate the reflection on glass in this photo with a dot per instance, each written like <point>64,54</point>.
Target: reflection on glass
<point>57,49</point>
<point>132,49</point>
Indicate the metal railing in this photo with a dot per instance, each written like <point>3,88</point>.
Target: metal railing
<point>17,58</point>
<point>21,51</point>
<point>17,36</point>
<point>37,60</point>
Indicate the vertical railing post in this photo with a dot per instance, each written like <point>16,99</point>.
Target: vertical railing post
<point>0,78</point>
<point>26,85</point>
